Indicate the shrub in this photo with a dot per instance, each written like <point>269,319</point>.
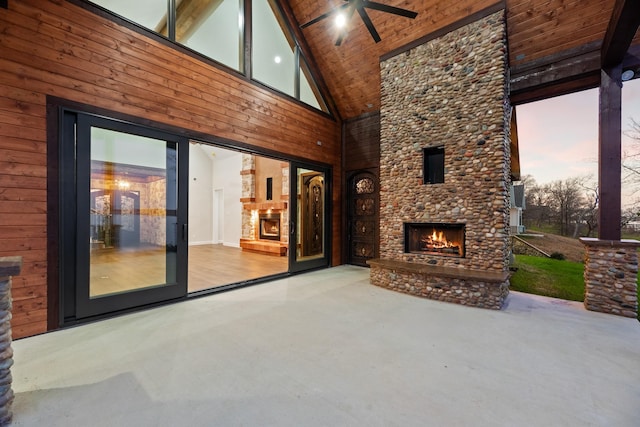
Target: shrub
<point>557,255</point>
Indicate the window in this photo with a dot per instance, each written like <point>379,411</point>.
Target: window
<point>200,28</point>
<point>276,58</point>
<point>433,165</point>
<point>215,29</point>
<point>273,50</point>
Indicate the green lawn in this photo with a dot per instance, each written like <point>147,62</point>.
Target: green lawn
<point>549,277</point>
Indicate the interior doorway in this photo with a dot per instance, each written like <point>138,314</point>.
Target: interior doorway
<point>228,195</point>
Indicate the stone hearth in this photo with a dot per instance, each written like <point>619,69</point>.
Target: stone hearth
<point>451,93</point>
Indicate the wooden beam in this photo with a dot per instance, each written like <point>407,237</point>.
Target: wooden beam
<point>567,65</point>
<point>554,75</point>
<point>623,26</point>
<point>609,153</point>
<point>190,14</point>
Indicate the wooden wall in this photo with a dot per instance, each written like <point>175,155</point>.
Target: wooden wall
<point>53,47</point>
<point>361,142</point>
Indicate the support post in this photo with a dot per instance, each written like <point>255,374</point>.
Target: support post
<point>609,152</point>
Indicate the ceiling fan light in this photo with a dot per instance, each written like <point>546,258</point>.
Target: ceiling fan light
<point>341,20</point>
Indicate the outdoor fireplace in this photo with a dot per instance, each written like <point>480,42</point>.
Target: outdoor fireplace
<point>442,239</point>
<point>270,227</point>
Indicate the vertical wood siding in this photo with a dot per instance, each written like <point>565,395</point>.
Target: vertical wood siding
<point>362,142</point>
<point>52,47</point>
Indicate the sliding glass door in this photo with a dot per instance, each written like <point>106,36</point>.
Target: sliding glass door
<point>130,217</point>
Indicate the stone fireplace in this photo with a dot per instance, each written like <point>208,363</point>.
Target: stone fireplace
<point>445,167</point>
<point>265,206</point>
<point>269,227</point>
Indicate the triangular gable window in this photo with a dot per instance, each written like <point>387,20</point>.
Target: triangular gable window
<point>276,59</point>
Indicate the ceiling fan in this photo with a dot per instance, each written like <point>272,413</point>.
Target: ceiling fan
<point>351,6</point>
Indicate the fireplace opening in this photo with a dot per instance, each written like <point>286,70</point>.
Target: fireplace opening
<point>434,239</point>
<point>270,227</point>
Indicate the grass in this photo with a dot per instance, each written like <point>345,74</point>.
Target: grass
<point>551,277</point>
<point>548,277</point>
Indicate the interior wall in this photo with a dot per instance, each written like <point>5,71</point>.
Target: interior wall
<point>226,176</point>
<point>200,196</point>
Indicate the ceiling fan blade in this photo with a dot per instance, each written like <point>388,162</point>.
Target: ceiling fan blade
<point>390,9</point>
<point>369,24</point>
<point>325,15</point>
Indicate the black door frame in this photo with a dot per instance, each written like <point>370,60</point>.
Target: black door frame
<point>74,172</point>
<point>297,265</point>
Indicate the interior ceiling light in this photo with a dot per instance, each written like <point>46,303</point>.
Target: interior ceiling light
<point>277,59</point>
<point>341,20</point>
<point>360,5</point>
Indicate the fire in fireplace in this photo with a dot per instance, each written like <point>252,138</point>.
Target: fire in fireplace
<point>270,227</point>
<point>434,239</point>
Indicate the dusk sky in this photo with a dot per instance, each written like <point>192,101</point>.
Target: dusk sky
<point>558,137</point>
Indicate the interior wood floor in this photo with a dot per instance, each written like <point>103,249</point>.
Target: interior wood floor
<point>116,270</point>
<point>210,266</point>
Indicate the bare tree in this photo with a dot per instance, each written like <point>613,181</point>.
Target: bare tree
<point>589,212</point>
<point>631,158</point>
<point>566,199</point>
<point>631,174</point>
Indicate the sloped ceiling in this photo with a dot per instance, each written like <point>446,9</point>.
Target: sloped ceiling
<point>539,31</point>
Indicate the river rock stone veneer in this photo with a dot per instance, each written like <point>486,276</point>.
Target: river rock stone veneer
<point>450,92</point>
<point>610,274</point>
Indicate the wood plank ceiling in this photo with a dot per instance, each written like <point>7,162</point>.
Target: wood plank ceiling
<point>540,33</point>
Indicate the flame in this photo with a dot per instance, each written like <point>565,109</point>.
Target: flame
<point>437,239</point>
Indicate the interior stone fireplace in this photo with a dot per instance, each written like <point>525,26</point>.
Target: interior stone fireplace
<point>269,227</point>
<point>265,206</point>
<point>445,167</point>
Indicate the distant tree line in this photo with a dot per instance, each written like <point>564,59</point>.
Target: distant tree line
<point>570,207</point>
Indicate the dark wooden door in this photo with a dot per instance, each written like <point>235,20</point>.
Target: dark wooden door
<point>362,219</point>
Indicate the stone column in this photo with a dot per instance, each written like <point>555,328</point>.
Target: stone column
<point>610,276</point>
<point>9,266</point>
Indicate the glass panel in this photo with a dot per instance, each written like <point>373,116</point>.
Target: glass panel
<point>203,25</point>
<point>148,13</point>
<point>310,214</point>
<point>309,92</point>
<point>236,233</point>
<point>133,204</point>
<point>273,58</point>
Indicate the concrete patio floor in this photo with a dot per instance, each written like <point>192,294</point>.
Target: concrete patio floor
<point>328,349</point>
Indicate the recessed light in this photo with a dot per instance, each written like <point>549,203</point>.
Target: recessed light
<point>277,59</point>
